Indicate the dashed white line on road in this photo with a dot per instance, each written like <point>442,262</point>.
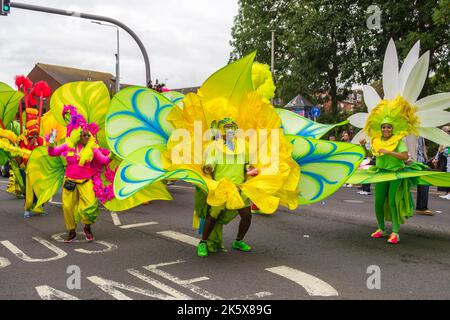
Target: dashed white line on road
<point>128,226</point>
<point>116,219</point>
<point>180,237</point>
<point>313,285</point>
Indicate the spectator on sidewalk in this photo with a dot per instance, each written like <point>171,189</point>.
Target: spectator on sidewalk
<point>366,146</point>
<point>442,163</point>
<point>418,152</point>
<point>346,138</point>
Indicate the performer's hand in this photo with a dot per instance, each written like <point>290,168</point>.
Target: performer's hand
<point>363,142</point>
<point>208,169</point>
<point>384,151</point>
<point>52,138</point>
<point>252,171</point>
<point>434,162</point>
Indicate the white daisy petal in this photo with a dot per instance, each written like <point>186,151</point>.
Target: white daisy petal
<point>440,101</point>
<point>390,72</point>
<point>359,119</point>
<point>416,79</point>
<point>371,97</point>
<point>436,135</point>
<point>360,135</point>
<point>408,65</point>
<point>433,118</point>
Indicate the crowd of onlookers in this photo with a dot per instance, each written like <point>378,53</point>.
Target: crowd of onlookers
<point>418,152</point>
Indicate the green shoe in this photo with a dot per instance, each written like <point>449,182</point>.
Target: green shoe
<point>202,249</point>
<point>241,245</point>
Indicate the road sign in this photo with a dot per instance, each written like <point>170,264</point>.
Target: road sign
<point>315,112</point>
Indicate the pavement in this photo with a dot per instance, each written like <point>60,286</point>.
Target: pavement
<point>322,251</point>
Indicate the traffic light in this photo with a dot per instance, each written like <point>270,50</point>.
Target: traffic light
<point>5,7</point>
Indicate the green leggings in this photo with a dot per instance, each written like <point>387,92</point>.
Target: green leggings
<point>387,190</point>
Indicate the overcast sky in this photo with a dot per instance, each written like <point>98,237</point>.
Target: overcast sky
<point>186,40</point>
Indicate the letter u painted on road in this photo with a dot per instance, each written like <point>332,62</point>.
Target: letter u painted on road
<point>21,255</point>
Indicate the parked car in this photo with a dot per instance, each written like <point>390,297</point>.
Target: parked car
<point>4,170</point>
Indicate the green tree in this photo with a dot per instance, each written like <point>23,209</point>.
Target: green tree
<point>327,46</point>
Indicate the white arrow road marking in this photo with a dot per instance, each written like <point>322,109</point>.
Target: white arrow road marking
<point>129,226</point>
<point>314,286</point>
<point>180,237</point>
<point>116,219</point>
<point>48,293</point>
<point>4,262</point>
<point>21,255</point>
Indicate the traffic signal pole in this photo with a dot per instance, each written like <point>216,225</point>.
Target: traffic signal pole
<point>92,17</point>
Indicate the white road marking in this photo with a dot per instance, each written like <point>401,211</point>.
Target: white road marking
<point>48,293</point>
<point>314,286</point>
<point>115,219</point>
<point>57,203</point>
<point>180,237</point>
<point>4,262</point>
<point>5,182</point>
<point>58,237</point>
<point>353,201</point>
<point>254,296</point>
<point>109,247</point>
<point>157,284</point>
<point>110,287</point>
<point>188,284</point>
<point>128,226</point>
<point>21,255</point>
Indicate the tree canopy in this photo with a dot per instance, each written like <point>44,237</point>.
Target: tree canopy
<point>332,45</point>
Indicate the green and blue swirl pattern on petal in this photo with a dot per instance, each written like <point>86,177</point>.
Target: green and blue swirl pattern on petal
<point>175,96</point>
<point>144,167</point>
<point>294,124</point>
<point>324,166</point>
<point>137,117</point>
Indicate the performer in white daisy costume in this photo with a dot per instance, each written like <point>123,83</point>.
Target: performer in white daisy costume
<point>390,120</point>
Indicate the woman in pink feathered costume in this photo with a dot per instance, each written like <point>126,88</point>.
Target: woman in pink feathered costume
<point>82,183</point>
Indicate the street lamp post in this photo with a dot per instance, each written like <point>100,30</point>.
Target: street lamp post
<point>117,54</point>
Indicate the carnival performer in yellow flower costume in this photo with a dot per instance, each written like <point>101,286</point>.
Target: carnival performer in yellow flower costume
<point>389,121</point>
<point>231,143</point>
<point>10,152</point>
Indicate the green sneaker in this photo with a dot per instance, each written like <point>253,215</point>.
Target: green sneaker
<point>202,249</point>
<point>241,245</point>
